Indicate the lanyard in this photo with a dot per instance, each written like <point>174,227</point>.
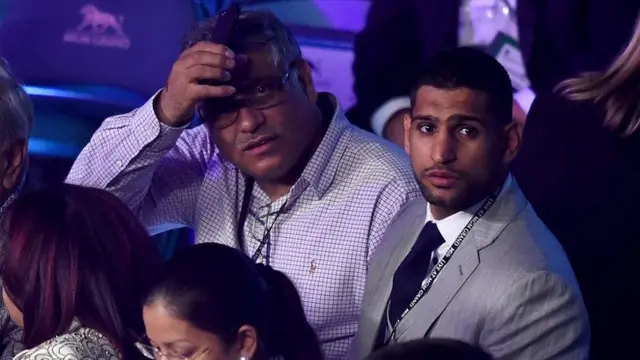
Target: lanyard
<point>266,239</point>
<point>244,213</point>
<point>426,284</point>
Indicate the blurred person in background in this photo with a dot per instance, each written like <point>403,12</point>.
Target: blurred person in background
<point>212,302</point>
<point>431,349</point>
<point>540,43</point>
<point>580,168</point>
<point>276,170</point>
<point>16,119</point>
<point>76,266</point>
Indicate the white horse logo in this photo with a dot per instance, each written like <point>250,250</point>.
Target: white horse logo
<point>99,21</point>
<point>98,28</point>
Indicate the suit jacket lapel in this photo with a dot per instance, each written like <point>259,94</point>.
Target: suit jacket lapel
<point>450,280</point>
<point>465,260</point>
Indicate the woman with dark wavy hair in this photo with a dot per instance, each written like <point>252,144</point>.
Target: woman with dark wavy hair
<point>211,302</point>
<point>76,266</point>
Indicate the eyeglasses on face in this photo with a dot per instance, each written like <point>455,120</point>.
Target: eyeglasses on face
<point>151,352</point>
<point>260,94</point>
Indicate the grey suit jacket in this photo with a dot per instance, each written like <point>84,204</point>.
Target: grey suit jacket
<point>509,288</point>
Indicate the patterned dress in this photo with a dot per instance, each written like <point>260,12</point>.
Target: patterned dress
<point>79,343</point>
<point>10,333</point>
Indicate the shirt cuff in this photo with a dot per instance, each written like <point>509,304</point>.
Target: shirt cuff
<point>525,98</point>
<point>152,133</point>
<point>384,113</point>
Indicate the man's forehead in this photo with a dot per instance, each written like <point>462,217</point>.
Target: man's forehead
<point>259,65</point>
<point>431,97</point>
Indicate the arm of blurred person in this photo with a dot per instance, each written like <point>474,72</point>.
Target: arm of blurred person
<point>387,58</point>
<point>587,36</point>
<point>154,168</point>
<point>607,28</point>
<point>538,317</point>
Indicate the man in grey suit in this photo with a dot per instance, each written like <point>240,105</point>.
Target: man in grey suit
<point>474,264</point>
<point>16,119</point>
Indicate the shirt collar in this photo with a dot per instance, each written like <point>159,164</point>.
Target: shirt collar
<point>451,226</point>
<point>323,165</point>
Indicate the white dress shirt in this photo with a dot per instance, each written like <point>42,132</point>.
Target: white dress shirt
<point>451,226</point>
<point>479,23</point>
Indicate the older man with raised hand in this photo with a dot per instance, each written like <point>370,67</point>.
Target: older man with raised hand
<point>275,169</point>
<point>16,119</point>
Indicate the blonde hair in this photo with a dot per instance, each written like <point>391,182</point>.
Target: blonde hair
<point>618,88</point>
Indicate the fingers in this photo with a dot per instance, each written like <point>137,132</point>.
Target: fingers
<point>201,72</point>
<point>209,47</point>
<point>206,58</point>
<point>201,92</point>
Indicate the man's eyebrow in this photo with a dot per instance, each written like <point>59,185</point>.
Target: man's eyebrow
<point>455,117</point>
<point>463,117</point>
<point>418,117</point>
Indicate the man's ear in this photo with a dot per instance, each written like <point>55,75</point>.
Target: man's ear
<point>407,132</point>
<point>513,137</point>
<point>305,78</point>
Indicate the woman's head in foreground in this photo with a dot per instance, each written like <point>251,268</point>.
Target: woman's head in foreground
<point>212,302</point>
<point>75,253</point>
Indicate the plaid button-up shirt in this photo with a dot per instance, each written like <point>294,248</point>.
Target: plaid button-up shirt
<point>333,220</point>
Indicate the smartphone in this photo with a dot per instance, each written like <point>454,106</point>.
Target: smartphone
<point>225,24</point>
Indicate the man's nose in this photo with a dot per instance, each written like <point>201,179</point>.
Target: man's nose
<point>250,120</point>
<point>444,148</point>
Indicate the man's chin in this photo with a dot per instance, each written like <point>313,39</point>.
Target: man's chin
<point>446,198</point>
<point>267,169</point>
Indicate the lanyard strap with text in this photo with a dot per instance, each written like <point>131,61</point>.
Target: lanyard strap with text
<point>426,284</point>
<point>266,239</point>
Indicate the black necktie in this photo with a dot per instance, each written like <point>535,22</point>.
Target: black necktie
<point>413,270</point>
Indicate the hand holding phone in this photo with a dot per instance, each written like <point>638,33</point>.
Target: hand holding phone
<point>225,23</point>
<point>201,72</point>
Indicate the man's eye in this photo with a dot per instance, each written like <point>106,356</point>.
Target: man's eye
<point>426,128</point>
<point>468,131</point>
<point>261,90</point>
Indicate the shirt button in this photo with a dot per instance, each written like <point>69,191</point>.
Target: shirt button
<point>119,164</point>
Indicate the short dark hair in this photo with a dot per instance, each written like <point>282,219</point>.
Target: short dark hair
<point>254,28</point>
<point>432,349</point>
<point>467,67</point>
<point>77,252</point>
<point>218,289</point>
